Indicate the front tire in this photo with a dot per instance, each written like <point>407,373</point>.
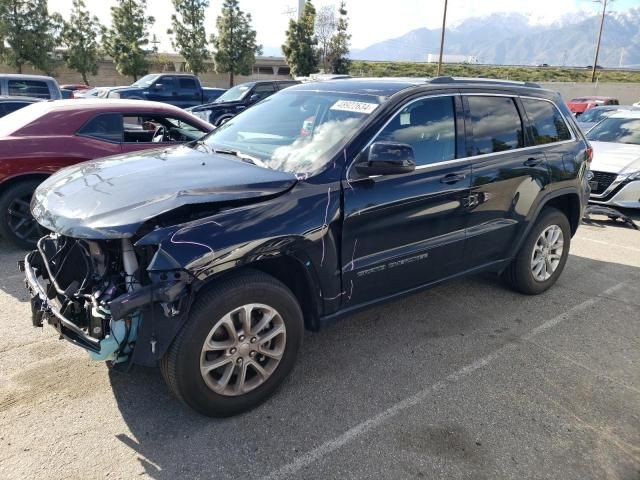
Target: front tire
<point>238,345</point>
<point>17,225</point>
<point>543,255</point>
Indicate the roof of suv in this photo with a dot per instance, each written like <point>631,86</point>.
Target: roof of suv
<point>387,86</point>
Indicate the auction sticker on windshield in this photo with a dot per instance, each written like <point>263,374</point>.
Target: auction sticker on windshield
<point>352,106</point>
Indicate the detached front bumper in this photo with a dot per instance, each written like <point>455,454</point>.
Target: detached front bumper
<point>42,308</point>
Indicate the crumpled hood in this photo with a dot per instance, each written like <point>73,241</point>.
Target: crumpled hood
<point>615,157</point>
<point>113,196</point>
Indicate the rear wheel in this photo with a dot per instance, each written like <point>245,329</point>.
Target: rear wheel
<point>239,344</point>
<point>543,254</point>
<point>17,225</point>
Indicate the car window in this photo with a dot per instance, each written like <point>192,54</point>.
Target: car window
<point>593,115</point>
<point>427,125</point>
<point>158,129</point>
<point>496,124</point>
<point>617,130</point>
<point>13,106</point>
<point>187,83</point>
<point>547,124</point>
<point>263,91</point>
<point>28,88</point>
<point>106,126</point>
<point>165,84</point>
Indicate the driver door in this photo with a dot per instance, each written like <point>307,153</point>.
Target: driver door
<point>406,230</point>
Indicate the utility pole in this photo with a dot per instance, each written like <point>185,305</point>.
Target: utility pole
<point>595,61</point>
<point>444,23</point>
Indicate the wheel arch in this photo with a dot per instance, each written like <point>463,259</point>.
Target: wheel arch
<point>23,177</point>
<point>567,200</point>
<point>289,270</point>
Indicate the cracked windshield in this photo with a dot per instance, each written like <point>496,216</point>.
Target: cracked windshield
<point>296,131</point>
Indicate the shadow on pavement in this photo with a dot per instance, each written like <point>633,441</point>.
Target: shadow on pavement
<point>346,373</point>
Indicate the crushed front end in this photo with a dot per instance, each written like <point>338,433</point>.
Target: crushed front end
<point>99,295</point>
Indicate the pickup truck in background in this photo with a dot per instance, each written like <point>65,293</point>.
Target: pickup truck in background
<point>237,99</point>
<point>179,89</point>
<point>33,86</point>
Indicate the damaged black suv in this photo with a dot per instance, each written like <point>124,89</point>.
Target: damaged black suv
<point>212,258</point>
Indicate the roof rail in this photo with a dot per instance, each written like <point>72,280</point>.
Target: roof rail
<point>485,81</point>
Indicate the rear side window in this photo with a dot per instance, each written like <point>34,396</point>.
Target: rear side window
<point>429,126</point>
<point>496,123</point>
<point>547,124</point>
<point>187,83</point>
<point>107,126</point>
<point>28,88</point>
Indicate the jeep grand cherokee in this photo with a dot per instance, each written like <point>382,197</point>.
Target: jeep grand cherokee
<point>211,258</point>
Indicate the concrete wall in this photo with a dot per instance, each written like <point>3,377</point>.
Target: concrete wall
<point>627,93</point>
<point>265,68</point>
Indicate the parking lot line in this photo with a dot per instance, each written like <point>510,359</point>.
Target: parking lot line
<point>609,244</point>
<point>288,470</point>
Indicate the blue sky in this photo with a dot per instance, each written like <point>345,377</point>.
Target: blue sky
<point>370,20</point>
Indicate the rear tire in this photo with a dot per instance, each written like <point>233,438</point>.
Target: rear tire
<point>542,256</point>
<point>251,366</point>
<point>17,225</point>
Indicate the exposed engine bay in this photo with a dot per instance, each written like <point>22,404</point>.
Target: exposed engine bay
<point>98,294</point>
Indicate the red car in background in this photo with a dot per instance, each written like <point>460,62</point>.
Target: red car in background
<point>46,136</point>
<point>581,104</point>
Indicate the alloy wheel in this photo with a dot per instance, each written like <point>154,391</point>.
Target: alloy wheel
<point>547,253</point>
<point>243,349</point>
<point>21,222</point>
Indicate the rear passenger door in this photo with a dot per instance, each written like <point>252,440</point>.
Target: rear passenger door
<point>508,173</point>
<point>404,231</point>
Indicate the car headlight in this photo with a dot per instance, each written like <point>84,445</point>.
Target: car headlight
<point>634,176</point>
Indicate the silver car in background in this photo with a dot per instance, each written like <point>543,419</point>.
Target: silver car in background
<point>616,160</point>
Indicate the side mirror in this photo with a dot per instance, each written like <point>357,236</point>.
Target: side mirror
<point>254,98</point>
<point>388,158</point>
<point>158,86</point>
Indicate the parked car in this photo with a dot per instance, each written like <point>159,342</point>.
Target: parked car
<point>103,92</point>
<point>321,200</point>
<point>591,117</point>
<point>34,86</point>
<point>75,87</point>
<point>11,104</point>
<point>41,138</point>
<point>180,89</point>
<point>580,105</point>
<point>616,160</point>
<point>66,94</point>
<point>238,99</point>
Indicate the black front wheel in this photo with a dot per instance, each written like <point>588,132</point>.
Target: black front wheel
<point>17,225</point>
<point>237,347</point>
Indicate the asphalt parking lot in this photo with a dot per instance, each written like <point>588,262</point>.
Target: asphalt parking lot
<point>467,380</point>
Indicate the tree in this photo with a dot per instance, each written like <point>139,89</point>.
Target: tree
<point>80,37</point>
<point>190,37</point>
<point>300,47</point>
<point>128,35</point>
<point>30,34</point>
<point>235,45</point>
<point>325,27</point>
<point>338,55</point>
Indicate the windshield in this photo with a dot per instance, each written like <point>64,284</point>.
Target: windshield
<point>19,119</point>
<point>595,115</point>
<point>296,130</point>
<point>617,130</point>
<point>233,94</point>
<point>145,81</point>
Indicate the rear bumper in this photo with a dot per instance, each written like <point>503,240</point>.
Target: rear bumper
<point>626,196</point>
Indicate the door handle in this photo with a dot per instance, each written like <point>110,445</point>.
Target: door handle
<point>452,178</point>
<point>532,162</point>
